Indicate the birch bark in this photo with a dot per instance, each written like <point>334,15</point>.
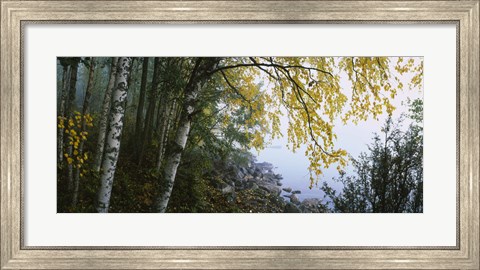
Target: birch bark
<point>107,101</point>
<point>115,127</point>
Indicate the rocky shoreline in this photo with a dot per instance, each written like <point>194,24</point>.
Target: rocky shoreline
<point>261,180</point>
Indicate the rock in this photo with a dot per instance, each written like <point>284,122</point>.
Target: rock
<point>228,189</point>
<point>287,189</point>
<point>251,185</point>
<point>240,174</point>
<point>313,205</point>
<point>296,192</point>
<point>311,201</point>
<point>248,177</point>
<point>291,208</point>
<point>270,188</point>
<point>294,199</point>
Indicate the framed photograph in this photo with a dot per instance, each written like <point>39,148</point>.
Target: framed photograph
<point>240,135</point>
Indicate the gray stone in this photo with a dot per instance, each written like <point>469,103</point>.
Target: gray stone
<point>294,199</point>
<point>248,177</point>
<point>228,189</point>
<point>274,189</point>
<point>251,185</point>
<point>313,205</point>
<point>240,174</point>
<point>291,208</point>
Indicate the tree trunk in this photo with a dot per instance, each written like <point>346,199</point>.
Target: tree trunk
<point>165,131</point>
<point>85,108</point>
<point>67,70</point>
<point>173,161</point>
<point>69,112</point>
<point>200,74</point>
<point>141,100</point>
<point>107,100</point>
<point>115,127</point>
<point>150,111</point>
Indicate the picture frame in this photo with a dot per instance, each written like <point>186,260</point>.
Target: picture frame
<point>14,14</point>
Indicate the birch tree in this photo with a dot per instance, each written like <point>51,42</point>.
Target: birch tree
<point>199,76</point>
<point>107,100</point>
<point>115,127</point>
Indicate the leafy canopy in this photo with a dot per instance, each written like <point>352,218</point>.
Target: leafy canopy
<point>313,93</point>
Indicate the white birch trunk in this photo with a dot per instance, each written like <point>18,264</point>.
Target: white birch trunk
<point>115,126</point>
<point>107,101</point>
<point>173,160</point>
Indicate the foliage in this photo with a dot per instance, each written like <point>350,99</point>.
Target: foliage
<point>309,90</point>
<point>72,127</point>
<point>388,179</point>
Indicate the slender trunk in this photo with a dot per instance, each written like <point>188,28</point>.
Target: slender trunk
<point>67,70</point>
<point>130,80</point>
<point>69,112</point>
<point>107,100</point>
<point>115,127</point>
<point>150,111</point>
<point>200,74</point>
<point>85,108</point>
<point>161,112</point>
<point>164,132</point>
<point>72,90</point>
<point>172,163</point>
<point>141,101</point>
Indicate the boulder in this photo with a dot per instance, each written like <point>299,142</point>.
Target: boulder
<point>294,199</point>
<point>243,170</point>
<point>291,208</point>
<point>227,189</point>
<point>240,174</point>
<point>313,205</point>
<point>274,189</point>
<point>248,177</point>
<point>251,185</point>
